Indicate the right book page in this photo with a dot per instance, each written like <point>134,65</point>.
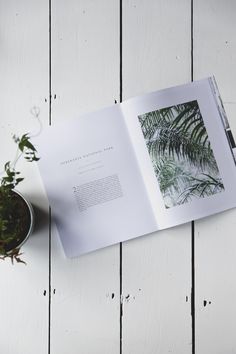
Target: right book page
<point>185,150</point>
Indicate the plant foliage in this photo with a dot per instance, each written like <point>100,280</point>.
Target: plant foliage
<point>181,153</point>
<point>10,213</point>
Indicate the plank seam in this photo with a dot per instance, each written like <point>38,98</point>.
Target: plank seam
<point>50,214</point>
<point>192,223</point>
<point>121,254</point>
<point>193,287</point>
<point>121,300</point>
<point>50,62</point>
<point>49,283</point>
<point>121,53</point>
<point>191,40</point>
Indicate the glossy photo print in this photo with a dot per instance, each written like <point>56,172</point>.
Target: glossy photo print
<point>181,153</point>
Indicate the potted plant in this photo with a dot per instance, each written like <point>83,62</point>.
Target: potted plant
<point>16,213</point>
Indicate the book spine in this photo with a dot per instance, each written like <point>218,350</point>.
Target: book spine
<point>223,116</point>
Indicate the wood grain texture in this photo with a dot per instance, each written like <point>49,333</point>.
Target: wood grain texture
<point>24,84</point>
<point>85,77</point>
<point>156,268</point>
<point>215,53</point>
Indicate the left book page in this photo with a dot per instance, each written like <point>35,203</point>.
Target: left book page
<point>93,182</point>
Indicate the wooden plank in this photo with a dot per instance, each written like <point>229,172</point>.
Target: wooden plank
<point>215,53</point>
<point>85,77</point>
<point>156,268</point>
<point>24,84</point>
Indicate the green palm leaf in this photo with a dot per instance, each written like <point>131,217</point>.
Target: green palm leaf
<point>178,130</point>
<point>180,150</point>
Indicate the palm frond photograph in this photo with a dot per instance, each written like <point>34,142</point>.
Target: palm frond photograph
<point>181,153</point>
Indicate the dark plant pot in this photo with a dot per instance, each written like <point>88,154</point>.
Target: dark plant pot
<point>26,214</point>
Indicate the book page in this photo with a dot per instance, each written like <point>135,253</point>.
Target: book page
<point>93,182</point>
<point>182,146</point>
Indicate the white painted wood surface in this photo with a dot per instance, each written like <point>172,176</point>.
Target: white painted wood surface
<point>215,52</point>
<point>85,76</point>
<point>55,305</point>
<point>24,84</point>
<point>156,270</point>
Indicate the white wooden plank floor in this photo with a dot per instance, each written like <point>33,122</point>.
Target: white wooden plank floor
<point>170,292</point>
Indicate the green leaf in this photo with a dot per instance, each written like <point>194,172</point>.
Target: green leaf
<point>6,166</point>
<point>19,179</point>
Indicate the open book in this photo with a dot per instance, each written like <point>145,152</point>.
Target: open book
<point>149,163</point>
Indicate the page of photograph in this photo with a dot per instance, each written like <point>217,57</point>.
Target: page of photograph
<point>183,152</point>
<point>93,182</point>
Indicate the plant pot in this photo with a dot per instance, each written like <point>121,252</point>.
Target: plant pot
<point>25,219</point>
